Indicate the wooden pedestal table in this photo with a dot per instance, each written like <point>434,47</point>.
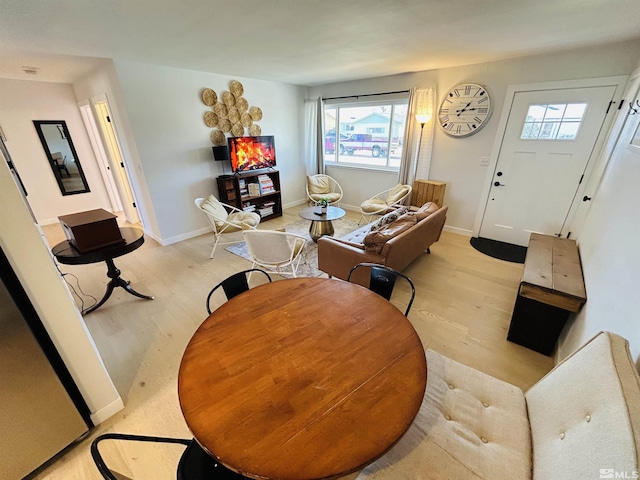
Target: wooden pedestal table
<point>300,379</point>
<point>321,223</point>
<point>67,254</point>
<point>552,287</point>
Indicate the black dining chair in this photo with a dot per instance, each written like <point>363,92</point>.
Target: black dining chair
<point>194,464</point>
<point>382,280</point>
<point>235,284</point>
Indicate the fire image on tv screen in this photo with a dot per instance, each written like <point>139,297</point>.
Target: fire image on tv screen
<point>251,153</point>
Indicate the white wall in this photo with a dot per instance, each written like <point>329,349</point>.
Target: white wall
<point>609,250</point>
<point>21,102</point>
<point>456,161</point>
<point>165,111</point>
<point>104,81</point>
<point>32,262</point>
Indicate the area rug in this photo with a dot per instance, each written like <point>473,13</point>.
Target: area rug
<point>309,265</point>
<point>501,250</point>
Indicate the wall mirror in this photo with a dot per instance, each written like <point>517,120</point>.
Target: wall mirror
<point>62,156</point>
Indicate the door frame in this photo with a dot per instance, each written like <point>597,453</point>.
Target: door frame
<point>113,148</point>
<point>596,157</point>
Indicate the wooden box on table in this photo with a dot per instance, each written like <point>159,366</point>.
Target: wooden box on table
<point>91,230</point>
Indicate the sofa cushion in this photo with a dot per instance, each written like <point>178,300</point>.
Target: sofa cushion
<point>425,210</point>
<point>470,426</point>
<point>388,218</point>
<point>585,413</point>
<point>374,241</point>
<point>396,193</point>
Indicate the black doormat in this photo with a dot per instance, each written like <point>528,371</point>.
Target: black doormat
<point>501,250</point>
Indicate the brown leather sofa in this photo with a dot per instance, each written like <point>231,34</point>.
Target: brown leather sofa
<point>408,238</point>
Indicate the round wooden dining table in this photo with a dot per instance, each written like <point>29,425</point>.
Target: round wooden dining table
<point>305,378</point>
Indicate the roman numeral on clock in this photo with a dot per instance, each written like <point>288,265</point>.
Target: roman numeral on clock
<point>467,90</point>
<point>483,110</point>
<point>479,120</point>
<point>483,99</point>
<point>444,118</point>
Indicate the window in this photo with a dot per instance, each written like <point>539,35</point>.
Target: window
<point>553,122</point>
<point>370,133</point>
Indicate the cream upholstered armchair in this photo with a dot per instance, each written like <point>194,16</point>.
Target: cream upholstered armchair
<point>381,203</point>
<point>225,219</point>
<point>274,250</point>
<point>323,186</point>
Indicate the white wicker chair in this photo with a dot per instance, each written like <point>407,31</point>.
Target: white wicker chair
<point>234,221</point>
<point>323,186</point>
<point>280,252</point>
<point>384,201</point>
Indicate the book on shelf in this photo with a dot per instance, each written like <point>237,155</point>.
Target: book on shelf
<point>265,211</point>
<point>254,189</point>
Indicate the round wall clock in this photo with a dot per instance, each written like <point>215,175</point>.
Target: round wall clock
<point>465,109</point>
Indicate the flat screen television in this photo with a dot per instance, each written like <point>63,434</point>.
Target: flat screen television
<point>251,153</point>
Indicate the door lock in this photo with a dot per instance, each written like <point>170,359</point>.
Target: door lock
<point>498,184</point>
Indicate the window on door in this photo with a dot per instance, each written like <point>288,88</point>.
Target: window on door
<point>559,121</point>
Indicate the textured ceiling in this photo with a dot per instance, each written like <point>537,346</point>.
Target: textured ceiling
<point>298,41</point>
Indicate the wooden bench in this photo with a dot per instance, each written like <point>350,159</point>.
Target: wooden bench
<point>552,286</point>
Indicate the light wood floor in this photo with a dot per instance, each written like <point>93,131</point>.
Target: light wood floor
<point>462,309</point>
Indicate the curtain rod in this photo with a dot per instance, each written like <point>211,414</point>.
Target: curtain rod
<point>365,95</point>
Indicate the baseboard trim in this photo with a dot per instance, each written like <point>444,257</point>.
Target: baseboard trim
<point>107,412</point>
<point>459,231</point>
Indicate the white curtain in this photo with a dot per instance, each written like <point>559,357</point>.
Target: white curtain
<point>418,142</point>
<point>313,135</point>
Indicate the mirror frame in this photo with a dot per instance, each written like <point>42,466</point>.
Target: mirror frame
<point>56,173</point>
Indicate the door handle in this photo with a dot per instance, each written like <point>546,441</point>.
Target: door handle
<point>498,184</point>
<point>586,199</point>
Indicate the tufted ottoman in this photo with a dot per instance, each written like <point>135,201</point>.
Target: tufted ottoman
<point>580,421</point>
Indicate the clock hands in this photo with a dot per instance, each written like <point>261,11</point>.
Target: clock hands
<point>464,109</point>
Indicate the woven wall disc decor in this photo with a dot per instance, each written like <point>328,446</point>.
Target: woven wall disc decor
<point>234,115</point>
<point>209,97</point>
<point>246,120</point>
<point>228,99</point>
<point>221,110</point>
<point>255,130</point>
<point>256,113</point>
<point>225,125</point>
<point>236,88</point>
<point>218,138</point>
<point>241,104</point>
<point>210,119</point>
<point>237,130</point>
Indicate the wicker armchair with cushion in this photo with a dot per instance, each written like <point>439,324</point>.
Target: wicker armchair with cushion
<point>225,219</point>
<point>382,202</point>
<point>323,186</point>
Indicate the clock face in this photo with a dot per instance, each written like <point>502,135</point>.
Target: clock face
<point>464,110</point>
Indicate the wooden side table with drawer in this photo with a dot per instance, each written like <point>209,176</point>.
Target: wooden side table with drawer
<point>552,287</point>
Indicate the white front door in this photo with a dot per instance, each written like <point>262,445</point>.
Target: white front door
<point>549,138</point>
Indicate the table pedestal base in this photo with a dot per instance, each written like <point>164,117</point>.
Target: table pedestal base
<point>319,228</point>
<point>116,281</point>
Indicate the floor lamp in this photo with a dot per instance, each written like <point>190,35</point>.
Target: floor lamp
<point>422,118</point>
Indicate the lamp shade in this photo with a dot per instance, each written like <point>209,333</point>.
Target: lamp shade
<point>423,118</point>
<point>220,153</point>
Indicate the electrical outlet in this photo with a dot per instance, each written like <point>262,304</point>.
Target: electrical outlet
<point>484,161</point>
